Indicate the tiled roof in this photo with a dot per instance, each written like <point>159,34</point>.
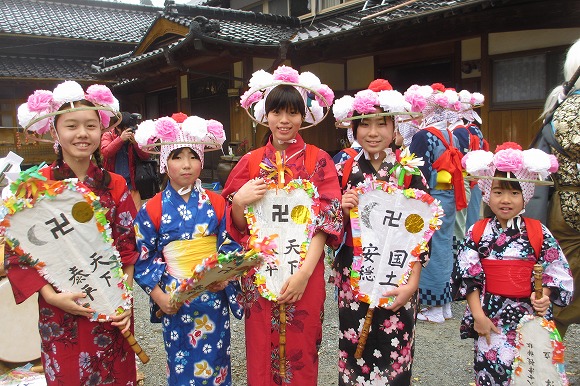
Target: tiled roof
<point>236,26</point>
<point>228,26</point>
<point>20,67</point>
<point>80,19</point>
<point>347,20</point>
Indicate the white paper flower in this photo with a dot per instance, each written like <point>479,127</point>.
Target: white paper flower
<point>452,96</point>
<point>195,126</point>
<point>145,132</point>
<point>342,107</point>
<point>24,115</point>
<point>478,162</point>
<point>465,96</point>
<point>309,80</point>
<point>260,111</point>
<point>392,101</point>
<point>477,99</point>
<point>535,160</point>
<point>315,114</point>
<point>260,79</point>
<point>68,91</point>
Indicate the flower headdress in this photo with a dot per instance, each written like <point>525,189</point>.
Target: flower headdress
<point>436,102</point>
<point>528,167</point>
<point>165,134</point>
<point>470,101</point>
<point>38,113</point>
<point>380,93</point>
<point>317,96</point>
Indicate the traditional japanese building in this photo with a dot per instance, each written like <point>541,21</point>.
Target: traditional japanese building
<point>198,59</point>
<point>43,43</point>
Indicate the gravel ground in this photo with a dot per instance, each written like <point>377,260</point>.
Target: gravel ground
<point>441,357</point>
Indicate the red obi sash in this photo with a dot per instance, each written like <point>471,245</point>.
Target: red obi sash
<point>509,278</point>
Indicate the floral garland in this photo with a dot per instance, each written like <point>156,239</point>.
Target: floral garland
<point>32,187</point>
<point>557,347</point>
<point>434,224</point>
<point>271,259</point>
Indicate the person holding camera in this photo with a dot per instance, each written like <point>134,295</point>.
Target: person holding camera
<point>121,153</point>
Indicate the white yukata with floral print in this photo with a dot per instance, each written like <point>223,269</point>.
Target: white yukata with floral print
<point>197,338</point>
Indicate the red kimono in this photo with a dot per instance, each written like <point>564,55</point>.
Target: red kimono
<point>304,318</point>
<point>75,350</point>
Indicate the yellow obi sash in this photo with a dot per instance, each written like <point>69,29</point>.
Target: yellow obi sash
<point>182,256</point>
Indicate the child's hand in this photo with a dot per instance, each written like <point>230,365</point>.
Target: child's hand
<point>122,321</point>
<point>349,201</point>
<point>69,302</point>
<point>402,296</point>
<point>162,300</point>
<point>217,286</point>
<point>541,305</point>
<point>484,326</point>
<point>250,192</point>
<point>294,287</point>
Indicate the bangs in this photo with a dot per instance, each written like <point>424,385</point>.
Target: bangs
<point>285,97</point>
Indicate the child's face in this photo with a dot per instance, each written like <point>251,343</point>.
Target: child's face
<point>284,125</point>
<point>183,169</point>
<point>375,134</point>
<point>505,203</point>
<point>79,134</point>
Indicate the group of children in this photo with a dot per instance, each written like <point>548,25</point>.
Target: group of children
<point>187,223</point>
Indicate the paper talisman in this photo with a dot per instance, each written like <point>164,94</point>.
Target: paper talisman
<point>390,229</point>
<point>540,350</point>
<point>287,215</point>
<point>216,268</point>
<point>62,231</point>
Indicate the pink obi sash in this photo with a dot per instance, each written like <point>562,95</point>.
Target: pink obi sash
<point>509,278</point>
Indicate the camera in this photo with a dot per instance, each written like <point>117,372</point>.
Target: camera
<point>134,120</point>
<point>130,120</point>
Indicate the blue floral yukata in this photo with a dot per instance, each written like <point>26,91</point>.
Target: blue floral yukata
<point>197,337</point>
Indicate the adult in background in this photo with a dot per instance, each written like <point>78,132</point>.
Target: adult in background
<point>120,152</point>
<point>563,215</point>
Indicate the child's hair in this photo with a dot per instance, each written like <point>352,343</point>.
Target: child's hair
<point>508,185</point>
<point>285,97</point>
<point>174,153</point>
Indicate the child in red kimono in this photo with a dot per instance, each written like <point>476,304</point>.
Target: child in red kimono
<point>284,109</point>
<point>75,350</point>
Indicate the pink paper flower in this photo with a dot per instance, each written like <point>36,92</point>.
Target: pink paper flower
<point>99,94</point>
<point>327,94</point>
<point>553,163</point>
<point>508,160</point>
<point>105,119</point>
<point>286,74</point>
<point>216,128</point>
<point>249,98</point>
<point>365,101</point>
<point>441,100</point>
<point>167,129</point>
<point>40,100</point>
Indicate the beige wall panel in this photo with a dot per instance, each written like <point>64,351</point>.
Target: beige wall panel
<point>360,72</point>
<point>506,42</point>
<point>331,74</point>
